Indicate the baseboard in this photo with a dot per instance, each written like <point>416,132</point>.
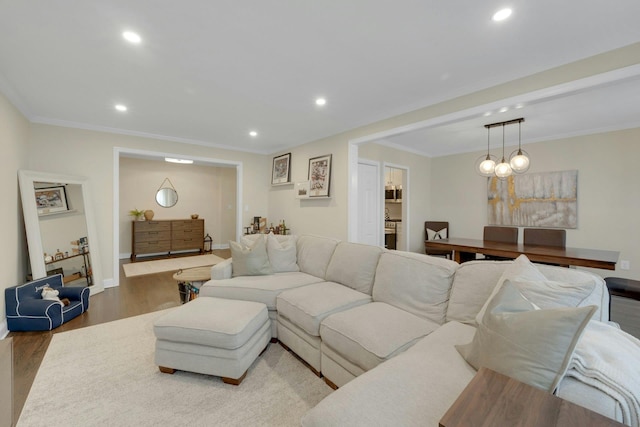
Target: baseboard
<point>221,246</point>
<point>109,283</point>
<point>4,329</point>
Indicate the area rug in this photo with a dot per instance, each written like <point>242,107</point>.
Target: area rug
<point>105,375</point>
<point>169,264</point>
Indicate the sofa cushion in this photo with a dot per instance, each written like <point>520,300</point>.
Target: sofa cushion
<point>250,261</point>
<point>416,283</point>
<point>314,254</point>
<point>472,285</point>
<point>349,255</point>
<point>532,346</point>
<point>262,289</point>
<point>414,388</point>
<point>535,287</point>
<point>282,253</point>
<point>307,306</point>
<point>369,334</point>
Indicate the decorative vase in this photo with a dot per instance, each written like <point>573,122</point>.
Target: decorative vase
<point>194,216</point>
<point>148,214</point>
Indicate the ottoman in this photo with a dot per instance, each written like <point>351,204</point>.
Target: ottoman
<point>212,336</point>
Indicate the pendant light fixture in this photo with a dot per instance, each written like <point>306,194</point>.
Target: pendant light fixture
<point>486,165</point>
<point>503,169</point>
<point>519,159</point>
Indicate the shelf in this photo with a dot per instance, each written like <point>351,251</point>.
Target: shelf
<point>67,257</point>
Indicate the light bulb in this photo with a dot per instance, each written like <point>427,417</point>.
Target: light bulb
<point>503,169</point>
<point>519,161</point>
<point>487,167</point>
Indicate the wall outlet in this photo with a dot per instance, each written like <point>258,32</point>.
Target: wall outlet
<point>624,264</point>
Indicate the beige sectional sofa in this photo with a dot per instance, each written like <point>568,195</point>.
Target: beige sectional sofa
<point>383,325</point>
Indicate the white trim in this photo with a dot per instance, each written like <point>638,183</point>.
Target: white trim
<point>121,152</point>
<point>4,329</point>
<point>553,91</point>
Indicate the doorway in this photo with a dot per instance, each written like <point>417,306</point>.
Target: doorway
<point>369,202</point>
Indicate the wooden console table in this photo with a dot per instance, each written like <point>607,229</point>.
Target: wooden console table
<point>492,399</point>
<point>466,250</point>
<point>170,235</point>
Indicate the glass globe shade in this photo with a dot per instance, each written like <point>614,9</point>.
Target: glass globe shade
<point>503,169</point>
<point>485,165</point>
<point>519,161</point>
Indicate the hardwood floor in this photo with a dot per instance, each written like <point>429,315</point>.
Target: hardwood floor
<point>135,296</point>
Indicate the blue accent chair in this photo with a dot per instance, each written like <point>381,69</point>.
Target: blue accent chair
<point>27,311</point>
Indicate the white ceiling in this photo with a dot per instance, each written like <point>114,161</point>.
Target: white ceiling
<point>208,72</point>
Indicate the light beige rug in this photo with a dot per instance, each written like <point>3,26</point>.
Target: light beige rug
<point>169,264</point>
<point>105,375</point>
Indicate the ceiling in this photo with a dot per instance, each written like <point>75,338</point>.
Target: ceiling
<point>208,72</point>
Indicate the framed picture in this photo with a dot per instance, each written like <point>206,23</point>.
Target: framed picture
<point>320,176</point>
<point>302,190</point>
<point>281,173</point>
<point>51,200</point>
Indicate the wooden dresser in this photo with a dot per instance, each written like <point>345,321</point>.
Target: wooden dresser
<point>169,235</point>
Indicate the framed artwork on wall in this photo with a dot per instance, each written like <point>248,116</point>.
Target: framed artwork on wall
<point>51,200</point>
<point>320,176</point>
<point>302,190</point>
<point>281,173</point>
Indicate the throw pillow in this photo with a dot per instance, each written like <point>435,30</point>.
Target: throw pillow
<point>436,235</point>
<point>250,261</point>
<point>282,254</point>
<point>536,288</point>
<point>532,346</point>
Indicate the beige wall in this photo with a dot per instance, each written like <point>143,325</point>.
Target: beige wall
<point>14,136</point>
<point>207,191</point>
<point>91,154</point>
<point>608,192</point>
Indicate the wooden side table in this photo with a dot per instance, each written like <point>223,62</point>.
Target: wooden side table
<point>493,399</point>
<point>189,281</point>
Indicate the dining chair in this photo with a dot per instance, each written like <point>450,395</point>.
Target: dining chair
<point>435,230</point>
<point>494,233</point>
<point>545,237</point>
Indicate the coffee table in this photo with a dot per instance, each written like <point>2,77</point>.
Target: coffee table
<point>189,281</point>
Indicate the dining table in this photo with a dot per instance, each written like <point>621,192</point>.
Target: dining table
<point>466,249</point>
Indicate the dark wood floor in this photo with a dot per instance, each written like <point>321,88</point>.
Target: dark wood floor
<point>134,296</point>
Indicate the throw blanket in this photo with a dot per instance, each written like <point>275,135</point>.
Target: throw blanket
<point>608,359</point>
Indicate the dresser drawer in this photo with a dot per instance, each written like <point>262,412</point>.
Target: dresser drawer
<point>151,226</point>
<point>152,246</point>
<point>152,236</point>
<point>182,244</point>
<point>188,224</point>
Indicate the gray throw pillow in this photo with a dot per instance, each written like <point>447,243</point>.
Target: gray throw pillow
<point>532,346</point>
<point>250,261</point>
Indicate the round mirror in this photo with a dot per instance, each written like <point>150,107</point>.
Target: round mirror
<point>167,197</point>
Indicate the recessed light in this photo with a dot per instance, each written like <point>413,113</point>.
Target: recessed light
<point>253,133</point>
<point>504,109</point>
<point>121,107</point>
<point>131,37</point>
<point>181,161</point>
<point>321,101</point>
<point>502,14</point>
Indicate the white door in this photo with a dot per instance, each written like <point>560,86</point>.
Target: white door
<point>369,203</point>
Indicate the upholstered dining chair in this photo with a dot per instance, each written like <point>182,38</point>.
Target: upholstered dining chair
<point>494,233</point>
<point>435,230</point>
<point>27,311</point>
<point>545,237</point>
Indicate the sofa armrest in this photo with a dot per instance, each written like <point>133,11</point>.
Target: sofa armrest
<point>74,293</point>
<point>38,307</point>
<point>222,270</point>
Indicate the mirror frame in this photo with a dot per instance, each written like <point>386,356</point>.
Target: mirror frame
<point>158,196</point>
<point>26,180</point>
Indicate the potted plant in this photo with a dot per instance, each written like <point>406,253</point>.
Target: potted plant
<point>137,214</point>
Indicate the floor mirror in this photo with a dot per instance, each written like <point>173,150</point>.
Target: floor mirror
<point>61,230</point>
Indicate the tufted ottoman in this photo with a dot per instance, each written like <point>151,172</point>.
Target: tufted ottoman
<point>212,336</point>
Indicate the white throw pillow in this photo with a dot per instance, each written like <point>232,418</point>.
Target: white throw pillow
<point>250,261</point>
<point>436,235</point>
<point>532,346</point>
<point>282,254</point>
